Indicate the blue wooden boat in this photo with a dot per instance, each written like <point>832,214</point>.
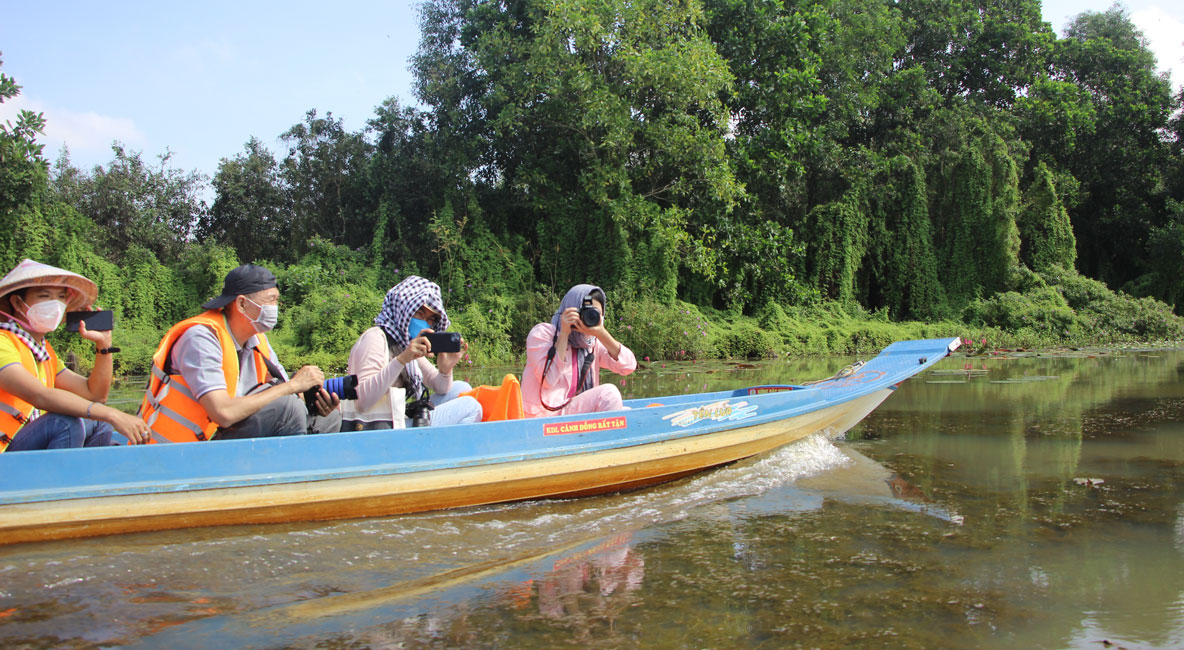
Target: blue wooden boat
<point>85,492</point>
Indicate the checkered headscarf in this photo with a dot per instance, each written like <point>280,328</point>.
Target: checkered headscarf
<point>36,348</point>
<point>402,301</point>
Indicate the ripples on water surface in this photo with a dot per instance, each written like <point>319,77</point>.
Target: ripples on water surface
<point>1017,503</point>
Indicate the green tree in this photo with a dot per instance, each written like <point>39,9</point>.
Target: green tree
<point>323,175</point>
<point>838,241</point>
<point>414,171</point>
<point>980,206</point>
<point>1107,56</point>
<point>986,51</point>
<point>1046,235</point>
<point>22,169</point>
<point>776,53</point>
<point>251,212</point>
<point>136,204</point>
<point>1055,117</point>
<point>597,126</point>
<point>1175,133</point>
<point>22,180</point>
<point>902,267</point>
<point>1164,264</point>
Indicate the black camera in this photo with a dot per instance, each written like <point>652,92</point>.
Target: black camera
<point>345,387</point>
<point>417,410</point>
<point>589,315</point>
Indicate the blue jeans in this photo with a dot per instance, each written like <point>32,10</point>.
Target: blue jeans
<point>452,409</point>
<point>448,408</point>
<point>56,431</point>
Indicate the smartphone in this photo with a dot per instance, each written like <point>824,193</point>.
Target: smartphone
<point>99,321</point>
<point>443,341</point>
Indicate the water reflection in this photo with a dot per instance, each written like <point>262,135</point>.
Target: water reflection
<point>953,517</point>
<point>595,583</point>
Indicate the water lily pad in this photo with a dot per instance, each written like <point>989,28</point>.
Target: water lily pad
<point>1025,380</point>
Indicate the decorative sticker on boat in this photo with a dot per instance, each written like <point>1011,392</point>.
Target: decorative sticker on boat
<point>761,390</point>
<point>865,377</point>
<point>584,426</point>
<point>718,411</point>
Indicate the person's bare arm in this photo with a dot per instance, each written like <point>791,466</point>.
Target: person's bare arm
<point>226,411</point>
<point>17,381</point>
<point>96,386</point>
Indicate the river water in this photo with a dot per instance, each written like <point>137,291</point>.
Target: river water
<point>1014,501</point>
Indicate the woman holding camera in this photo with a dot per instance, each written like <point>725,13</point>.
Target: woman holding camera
<point>564,358</point>
<point>391,360</point>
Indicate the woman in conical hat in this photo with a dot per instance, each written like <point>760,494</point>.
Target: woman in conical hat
<point>44,405</point>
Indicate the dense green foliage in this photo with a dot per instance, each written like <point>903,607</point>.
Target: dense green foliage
<point>743,177</point>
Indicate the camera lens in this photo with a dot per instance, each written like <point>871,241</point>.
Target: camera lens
<point>589,316</point>
<point>333,386</point>
<point>343,387</point>
<point>349,387</point>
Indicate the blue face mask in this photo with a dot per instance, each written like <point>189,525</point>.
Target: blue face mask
<point>416,326</point>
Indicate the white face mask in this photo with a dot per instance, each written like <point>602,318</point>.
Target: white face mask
<point>269,315</point>
<point>44,317</point>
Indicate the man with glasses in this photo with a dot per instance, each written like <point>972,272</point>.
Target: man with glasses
<point>215,376</point>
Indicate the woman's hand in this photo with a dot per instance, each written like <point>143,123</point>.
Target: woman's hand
<point>418,347</point>
<point>569,320</point>
<point>446,361</point>
<point>598,331</point>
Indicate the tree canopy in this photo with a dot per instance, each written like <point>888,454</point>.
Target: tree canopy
<point>908,156</point>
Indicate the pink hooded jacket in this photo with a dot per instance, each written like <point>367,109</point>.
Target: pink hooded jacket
<point>561,376</point>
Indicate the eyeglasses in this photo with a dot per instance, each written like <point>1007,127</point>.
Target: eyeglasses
<point>428,315</point>
<point>265,302</point>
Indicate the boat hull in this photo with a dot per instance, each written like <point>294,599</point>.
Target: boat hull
<point>326,477</point>
<point>556,477</point>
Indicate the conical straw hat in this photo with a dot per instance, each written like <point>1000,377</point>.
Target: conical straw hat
<point>35,274</point>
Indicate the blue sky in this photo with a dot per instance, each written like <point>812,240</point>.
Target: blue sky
<point>199,79</point>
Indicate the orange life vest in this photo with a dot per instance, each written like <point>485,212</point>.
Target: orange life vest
<point>169,407</point>
<point>14,411</point>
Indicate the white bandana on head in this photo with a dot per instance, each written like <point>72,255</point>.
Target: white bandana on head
<point>402,301</point>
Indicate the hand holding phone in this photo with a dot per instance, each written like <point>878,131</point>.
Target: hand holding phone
<point>96,321</point>
<point>443,341</point>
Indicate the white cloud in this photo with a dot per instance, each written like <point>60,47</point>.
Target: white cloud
<point>1165,35</point>
<point>88,135</point>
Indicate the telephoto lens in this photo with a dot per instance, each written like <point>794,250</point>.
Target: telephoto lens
<point>344,387</point>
